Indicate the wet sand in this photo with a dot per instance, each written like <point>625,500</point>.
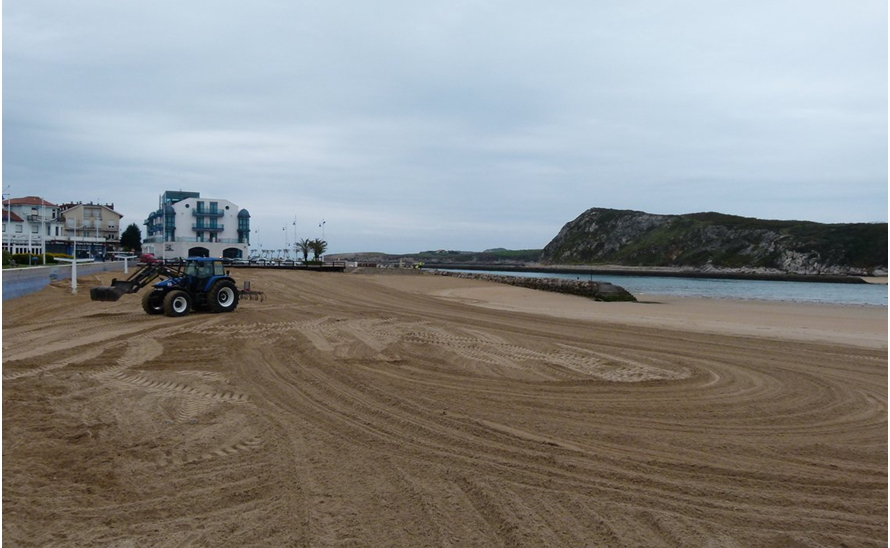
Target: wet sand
<point>418,410</point>
<point>854,325</point>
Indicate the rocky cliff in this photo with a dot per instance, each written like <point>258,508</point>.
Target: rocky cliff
<point>717,241</point>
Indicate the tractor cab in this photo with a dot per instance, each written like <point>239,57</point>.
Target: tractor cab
<point>200,270</point>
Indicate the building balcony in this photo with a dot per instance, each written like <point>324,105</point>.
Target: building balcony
<point>40,218</point>
<point>205,241</point>
<point>201,228</point>
<point>204,213</point>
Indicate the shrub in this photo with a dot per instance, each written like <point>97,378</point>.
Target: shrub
<point>34,259</point>
<point>22,258</point>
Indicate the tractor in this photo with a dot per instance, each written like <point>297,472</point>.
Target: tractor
<point>199,283</point>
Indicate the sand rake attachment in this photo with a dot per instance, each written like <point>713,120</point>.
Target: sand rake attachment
<point>247,293</point>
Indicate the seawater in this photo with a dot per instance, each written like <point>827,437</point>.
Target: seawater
<point>713,288</point>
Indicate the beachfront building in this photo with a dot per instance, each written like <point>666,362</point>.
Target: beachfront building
<point>34,225</point>
<point>88,230</point>
<point>186,225</point>
<point>29,224</point>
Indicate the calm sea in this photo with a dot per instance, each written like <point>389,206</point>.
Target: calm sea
<point>810,292</point>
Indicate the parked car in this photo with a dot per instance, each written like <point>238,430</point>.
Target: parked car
<point>148,258</point>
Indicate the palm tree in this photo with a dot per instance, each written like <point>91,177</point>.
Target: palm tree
<point>318,247</point>
<point>305,245</point>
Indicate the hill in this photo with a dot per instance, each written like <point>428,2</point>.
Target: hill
<point>499,256</point>
<point>718,241</point>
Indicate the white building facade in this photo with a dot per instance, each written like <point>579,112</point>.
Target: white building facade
<point>34,225</point>
<point>29,223</point>
<point>186,225</point>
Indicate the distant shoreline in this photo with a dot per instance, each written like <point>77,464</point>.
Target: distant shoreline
<point>619,270</point>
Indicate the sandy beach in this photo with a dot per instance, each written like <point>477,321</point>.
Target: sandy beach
<point>418,410</point>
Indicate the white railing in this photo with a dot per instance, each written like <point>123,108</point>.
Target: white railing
<point>190,240</point>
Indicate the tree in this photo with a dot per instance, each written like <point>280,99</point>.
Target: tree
<point>131,239</point>
<point>305,245</point>
<point>318,247</point>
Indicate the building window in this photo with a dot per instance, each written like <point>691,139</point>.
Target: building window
<point>34,229</point>
<point>18,229</point>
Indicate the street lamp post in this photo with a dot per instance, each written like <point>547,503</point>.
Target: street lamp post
<point>9,216</point>
<point>74,240</point>
<point>286,243</point>
<point>43,229</point>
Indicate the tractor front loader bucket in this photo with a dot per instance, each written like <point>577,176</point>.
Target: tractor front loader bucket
<point>118,289</point>
<point>105,293</point>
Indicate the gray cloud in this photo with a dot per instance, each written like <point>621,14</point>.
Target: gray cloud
<point>460,125</point>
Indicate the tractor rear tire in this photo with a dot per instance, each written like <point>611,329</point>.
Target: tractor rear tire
<point>223,297</point>
<point>177,303</point>
<point>153,303</point>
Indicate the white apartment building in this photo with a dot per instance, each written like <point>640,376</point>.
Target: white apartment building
<point>34,225</point>
<point>186,225</point>
<point>29,223</point>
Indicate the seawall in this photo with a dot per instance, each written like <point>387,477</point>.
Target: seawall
<point>19,282</point>
<point>740,274</point>
<point>598,291</point>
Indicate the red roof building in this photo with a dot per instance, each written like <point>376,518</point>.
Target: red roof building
<point>10,216</point>
<point>32,224</point>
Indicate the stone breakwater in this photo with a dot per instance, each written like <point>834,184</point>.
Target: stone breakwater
<point>598,291</point>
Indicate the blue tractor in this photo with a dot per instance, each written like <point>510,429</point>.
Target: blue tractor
<point>199,283</point>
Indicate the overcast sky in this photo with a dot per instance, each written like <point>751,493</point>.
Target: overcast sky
<point>469,125</point>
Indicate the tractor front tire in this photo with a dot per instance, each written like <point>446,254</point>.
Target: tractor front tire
<point>153,303</point>
<point>223,297</point>
<point>177,303</point>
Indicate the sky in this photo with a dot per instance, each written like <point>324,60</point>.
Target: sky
<point>404,126</point>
